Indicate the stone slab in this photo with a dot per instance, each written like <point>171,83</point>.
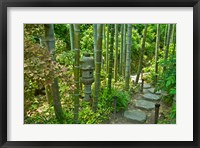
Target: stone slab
<point>143,104</point>
<point>145,91</point>
<point>135,116</point>
<point>146,86</point>
<point>151,90</point>
<point>138,97</point>
<point>151,97</point>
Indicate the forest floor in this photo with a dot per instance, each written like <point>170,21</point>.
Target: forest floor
<point>141,108</point>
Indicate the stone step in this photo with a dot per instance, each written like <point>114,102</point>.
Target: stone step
<point>145,91</point>
<point>151,97</point>
<point>146,86</point>
<point>151,90</point>
<point>135,116</point>
<point>143,104</point>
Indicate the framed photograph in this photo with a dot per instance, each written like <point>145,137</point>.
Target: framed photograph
<point>104,73</point>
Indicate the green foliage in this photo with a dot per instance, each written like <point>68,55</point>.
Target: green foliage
<point>87,116</point>
<point>39,112</point>
<point>40,70</point>
<point>33,31</point>
<point>167,79</point>
<point>150,44</point>
<point>60,46</point>
<point>137,35</point>
<point>66,58</point>
<point>135,48</point>
<point>62,35</point>
<point>39,67</point>
<point>87,39</point>
<point>171,116</point>
<point>162,35</point>
<point>123,98</point>
<point>105,107</point>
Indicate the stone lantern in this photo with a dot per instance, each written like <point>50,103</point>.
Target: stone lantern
<point>87,68</point>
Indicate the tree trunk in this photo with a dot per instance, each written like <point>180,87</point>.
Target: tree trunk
<point>116,51</point>
<point>53,91</point>
<point>167,44</point>
<point>141,55</point>
<point>128,57</point>
<point>49,95</point>
<point>165,36</point>
<point>156,52</point>
<point>124,52</point>
<point>174,40</point>
<point>104,47</point>
<point>71,30</point>
<point>95,40</point>
<point>111,58</point>
<point>121,51</point>
<point>98,64</point>
<point>107,46</point>
<point>172,35</point>
<point>76,70</point>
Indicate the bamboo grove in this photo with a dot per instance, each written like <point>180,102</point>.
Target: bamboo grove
<point>120,55</point>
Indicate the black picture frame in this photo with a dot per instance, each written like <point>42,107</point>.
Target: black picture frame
<point>99,3</point>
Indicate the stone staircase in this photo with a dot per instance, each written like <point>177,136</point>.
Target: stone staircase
<point>142,107</point>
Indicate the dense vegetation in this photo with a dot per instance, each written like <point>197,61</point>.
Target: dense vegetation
<point>54,92</point>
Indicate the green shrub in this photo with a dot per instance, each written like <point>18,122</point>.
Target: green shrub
<point>123,98</point>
